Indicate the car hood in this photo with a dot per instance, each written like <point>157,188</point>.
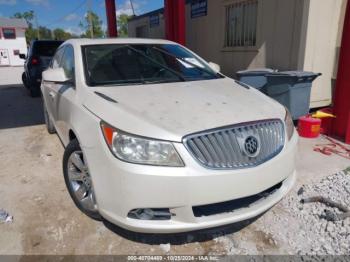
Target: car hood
<point>172,110</point>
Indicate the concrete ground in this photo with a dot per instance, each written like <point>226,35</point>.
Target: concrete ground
<point>46,221</point>
<point>11,75</point>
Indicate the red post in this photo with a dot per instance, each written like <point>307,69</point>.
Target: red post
<point>347,135</point>
<point>168,16</point>
<point>175,21</point>
<point>111,18</point>
<point>341,125</point>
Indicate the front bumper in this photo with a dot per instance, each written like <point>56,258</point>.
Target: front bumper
<point>121,187</point>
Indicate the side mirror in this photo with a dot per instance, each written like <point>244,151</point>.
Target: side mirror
<point>56,75</point>
<point>22,56</point>
<point>215,67</point>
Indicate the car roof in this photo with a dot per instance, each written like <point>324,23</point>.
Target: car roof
<point>87,41</point>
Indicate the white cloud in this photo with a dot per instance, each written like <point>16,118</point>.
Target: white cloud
<point>71,17</point>
<point>45,3</point>
<point>76,30</point>
<point>8,2</point>
<point>125,8</point>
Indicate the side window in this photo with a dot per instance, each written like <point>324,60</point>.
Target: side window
<point>67,62</point>
<point>55,63</point>
<point>9,33</point>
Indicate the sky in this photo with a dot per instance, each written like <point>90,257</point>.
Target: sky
<point>67,14</point>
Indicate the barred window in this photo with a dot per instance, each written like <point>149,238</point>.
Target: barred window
<point>241,24</point>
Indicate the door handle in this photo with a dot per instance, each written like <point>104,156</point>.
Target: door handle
<point>52,94</point>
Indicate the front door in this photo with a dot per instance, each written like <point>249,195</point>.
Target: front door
<point>59,96</point>
<point>65,94</point>
<point>49,90</point>
<point>4,57</point>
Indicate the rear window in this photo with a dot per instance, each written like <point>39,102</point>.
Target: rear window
<point>46,48</point>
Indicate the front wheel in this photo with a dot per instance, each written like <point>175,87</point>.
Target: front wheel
<point>78,180</point>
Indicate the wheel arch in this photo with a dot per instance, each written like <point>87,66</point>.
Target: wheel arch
<point>72,135</point>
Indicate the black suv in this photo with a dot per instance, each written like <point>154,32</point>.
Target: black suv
<point>39,57</point>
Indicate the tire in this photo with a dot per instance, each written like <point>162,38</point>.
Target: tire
<point>78,180</point>
<point>34,92</point>
<point>24,80</point>
<point>48,122</point>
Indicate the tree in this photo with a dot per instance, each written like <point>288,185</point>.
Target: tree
<point>122,22</point>
<point>60,34</point>
<point>92,21</point>
<point>45,33</point>
<point>28,16</point>
<point>31,33</point>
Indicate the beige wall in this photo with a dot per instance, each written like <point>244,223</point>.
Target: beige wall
<point>324,28</point>
<point>291,35</point>
<point>279,25</point>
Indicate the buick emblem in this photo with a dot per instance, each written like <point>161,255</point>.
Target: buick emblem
<point>251,146</point>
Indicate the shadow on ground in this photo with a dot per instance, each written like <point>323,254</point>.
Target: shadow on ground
<point>179,238</point>
<point>18,109</point>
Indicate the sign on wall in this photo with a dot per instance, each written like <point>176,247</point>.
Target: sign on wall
<point>154,20</point>
<point>199,8</point>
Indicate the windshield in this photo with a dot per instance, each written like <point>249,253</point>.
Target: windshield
<point>116,64</point>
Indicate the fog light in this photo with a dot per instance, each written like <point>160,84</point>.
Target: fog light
<point>150,214</point>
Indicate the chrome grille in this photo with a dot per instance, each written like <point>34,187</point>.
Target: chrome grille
<point>224,148</point>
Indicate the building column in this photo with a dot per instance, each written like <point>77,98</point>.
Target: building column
<point>111,18</point>
<point>341,125</point>
<point>175,23</point>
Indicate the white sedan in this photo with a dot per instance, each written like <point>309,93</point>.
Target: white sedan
<point>158,140</point>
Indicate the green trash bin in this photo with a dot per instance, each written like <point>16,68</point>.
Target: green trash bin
<point>292,89</point>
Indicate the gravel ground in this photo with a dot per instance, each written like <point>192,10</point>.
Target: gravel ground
<point>302,228</point>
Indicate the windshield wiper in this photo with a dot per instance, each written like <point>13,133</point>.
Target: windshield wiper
<point>157,81</point>
<point>157,63</point>
<point>118,83</point>
<point>185,61</point>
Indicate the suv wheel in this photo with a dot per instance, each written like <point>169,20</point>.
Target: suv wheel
<point>78,180</point>
<point>34,92</point>
<point>24,80</point>
<point>49,124</point>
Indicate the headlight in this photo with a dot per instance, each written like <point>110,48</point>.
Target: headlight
<point>289,124</point>
<point>139,150</point>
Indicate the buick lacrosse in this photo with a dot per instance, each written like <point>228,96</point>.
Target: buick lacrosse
<point>158,140</point>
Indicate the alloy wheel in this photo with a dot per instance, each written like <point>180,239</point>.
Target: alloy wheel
<point>80,181</point>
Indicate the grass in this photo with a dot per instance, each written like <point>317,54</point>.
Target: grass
<point>347,170</point>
